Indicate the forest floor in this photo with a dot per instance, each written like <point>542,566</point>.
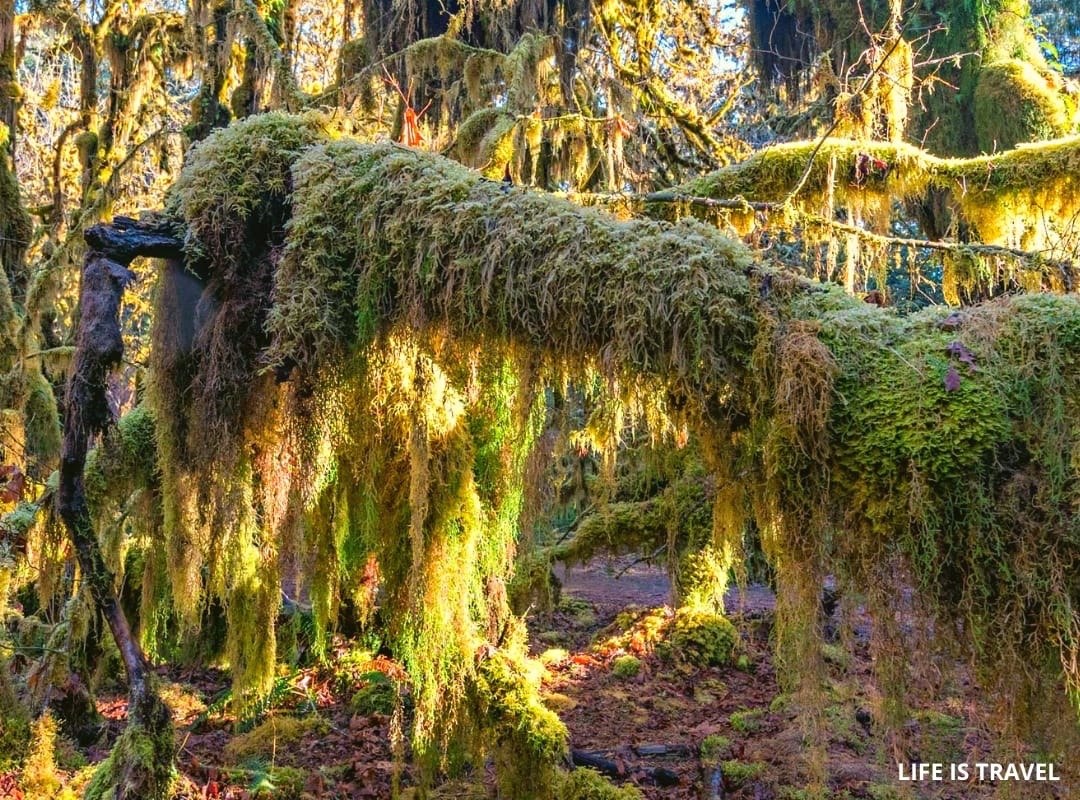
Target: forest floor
<point>647,718</point>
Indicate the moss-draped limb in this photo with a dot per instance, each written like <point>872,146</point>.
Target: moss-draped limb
<point>863,440</point>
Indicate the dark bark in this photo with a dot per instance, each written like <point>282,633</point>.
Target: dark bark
<point>99,349</point>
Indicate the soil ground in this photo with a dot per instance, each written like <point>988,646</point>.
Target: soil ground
<point>650,726</point>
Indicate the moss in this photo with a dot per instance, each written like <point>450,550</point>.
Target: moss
<point>712,746</point>
<point>747,720</point>
<point>626,666</point>
<point>527,738</point>
<point>40,778</point>
<point>136,760</point>
<point>42,421</point>
<point>277,734</point>
<point>1014,103</point>
<point>285,783</point>
<point>421,311</point>
<point>702,638</point>
<point>588,784</point>
<point>376,696</point>
<point>15,730</point>
<point>738,773</point>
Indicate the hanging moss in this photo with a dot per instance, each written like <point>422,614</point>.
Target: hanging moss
<point>414,313</point>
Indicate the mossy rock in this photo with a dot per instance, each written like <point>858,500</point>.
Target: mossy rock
<point>376,696</point>
<point>1015,103</point>
<point>701,638</point>
<point>588,784</point>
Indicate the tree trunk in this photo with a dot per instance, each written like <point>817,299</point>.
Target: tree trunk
<point>140,765</point>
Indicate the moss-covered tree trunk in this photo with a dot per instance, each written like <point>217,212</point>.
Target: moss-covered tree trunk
<point>15,226</point>
<point>140,766</point>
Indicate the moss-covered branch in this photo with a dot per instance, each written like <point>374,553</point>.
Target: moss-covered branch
<point>417,305</point>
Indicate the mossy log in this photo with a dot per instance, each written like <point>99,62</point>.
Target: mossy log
<point>859,440</point>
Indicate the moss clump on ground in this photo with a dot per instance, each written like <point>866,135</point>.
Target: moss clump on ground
<point>626,666</point>
<point>588,784</point>
<point>376,696</point>
<point>737,773</point>
<point>713,746</point>
<point>274,735</point>
<point>702,638</point>
<point>747,720</point>
<point>1015,103</point>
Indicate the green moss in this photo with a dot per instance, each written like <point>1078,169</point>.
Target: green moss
<point>42,421</point>
<point>737,773</point>
<point>703,638</point>
<point>527,738</point>
<point>413,303</point>
<point>137,759</point>
<point>626,666</point>
<point>376,696</point>
<point>713,746</point>
<point>1015,103</point>
<point>14,723</point>
<point>276,734</point>
<point>747,720</point>
<point>588,784</point>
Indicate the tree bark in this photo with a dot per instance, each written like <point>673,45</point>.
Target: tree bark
<point>132,771</point>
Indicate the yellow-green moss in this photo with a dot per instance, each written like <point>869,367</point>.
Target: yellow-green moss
<point>1015,103</point>
<point>519,729</point>
<point>40,779</point>
<point>704,638</point>
<point>135,756</point>
<point>626,666</point>
<point>588,784</point>
<point>276,734</point>
<point>376,696</point>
